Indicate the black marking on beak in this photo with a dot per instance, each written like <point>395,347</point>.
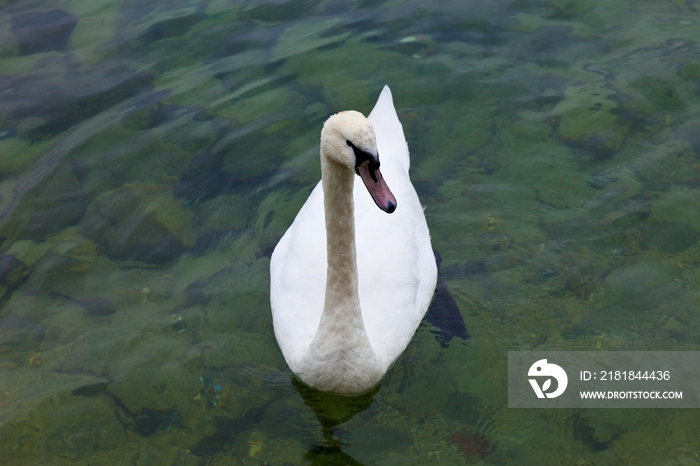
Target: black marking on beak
<point>361,157</point>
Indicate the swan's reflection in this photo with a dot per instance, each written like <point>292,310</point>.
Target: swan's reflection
<point>332,456</point>
<point>332,411</point>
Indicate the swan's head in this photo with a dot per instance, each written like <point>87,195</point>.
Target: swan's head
<point>348,139</point>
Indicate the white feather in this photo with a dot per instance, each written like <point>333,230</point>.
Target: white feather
<point>395,266</point>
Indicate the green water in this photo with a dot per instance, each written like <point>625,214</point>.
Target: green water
<point>153,152</point>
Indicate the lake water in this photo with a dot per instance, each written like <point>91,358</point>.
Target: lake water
<point>153,152</point>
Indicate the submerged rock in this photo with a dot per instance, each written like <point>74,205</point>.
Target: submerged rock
<point>275,10</point>
<point>585,120</point>
<point>57,95</point>
<point>11,270</point>
<point>99,22</point>
<point>43,32</point>
<point>661,93</point>
<point>141,222</point>
<point>171,27</point>
<point>679,205</point>
<point>42,209</point>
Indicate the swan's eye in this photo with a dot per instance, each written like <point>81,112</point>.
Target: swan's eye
<point>348,143</point>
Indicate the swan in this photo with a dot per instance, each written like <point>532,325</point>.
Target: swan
<point>354,274</point>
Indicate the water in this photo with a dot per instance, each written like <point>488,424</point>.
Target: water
<point>152,154</point>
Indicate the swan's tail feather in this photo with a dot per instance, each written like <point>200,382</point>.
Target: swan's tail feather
<point>391,141</point>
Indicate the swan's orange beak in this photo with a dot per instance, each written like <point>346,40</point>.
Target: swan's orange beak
<point>377,187</point>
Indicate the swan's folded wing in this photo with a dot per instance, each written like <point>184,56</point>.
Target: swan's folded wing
<point>396,269</point>
<point>298,278</point>
<point>391,142</point>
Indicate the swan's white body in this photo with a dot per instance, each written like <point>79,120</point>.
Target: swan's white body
<point>352,347</point>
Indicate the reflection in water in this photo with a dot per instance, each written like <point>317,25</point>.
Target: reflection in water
<point>332,456</point>
<point>332,411</point>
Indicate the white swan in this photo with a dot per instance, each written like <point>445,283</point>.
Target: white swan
<point>350,283</point>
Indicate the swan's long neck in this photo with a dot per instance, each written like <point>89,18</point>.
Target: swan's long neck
<point>341,276</point>
<point>342,303</point>
<point>340,355</point>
